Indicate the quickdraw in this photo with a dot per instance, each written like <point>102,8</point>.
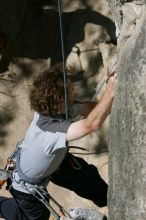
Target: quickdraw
<point>44,197</point>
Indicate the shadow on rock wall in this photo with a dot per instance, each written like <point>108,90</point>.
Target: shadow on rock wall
<point>38,34</point>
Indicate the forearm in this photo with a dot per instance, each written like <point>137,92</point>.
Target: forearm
<point>97,116</point>
<point>99,113</point>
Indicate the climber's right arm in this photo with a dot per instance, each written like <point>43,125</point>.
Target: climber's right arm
<point>96,117</point>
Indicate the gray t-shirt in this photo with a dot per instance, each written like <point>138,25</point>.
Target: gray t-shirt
<point>44,147</point>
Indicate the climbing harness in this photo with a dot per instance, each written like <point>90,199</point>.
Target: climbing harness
<point>38,192</point>
<point>44,197</point>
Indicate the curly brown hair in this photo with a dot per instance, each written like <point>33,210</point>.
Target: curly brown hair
<point>47,91</point>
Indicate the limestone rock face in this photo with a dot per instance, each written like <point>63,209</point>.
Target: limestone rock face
<point>127,150</point>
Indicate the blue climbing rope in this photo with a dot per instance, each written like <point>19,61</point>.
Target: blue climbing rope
<point>63,60</point>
